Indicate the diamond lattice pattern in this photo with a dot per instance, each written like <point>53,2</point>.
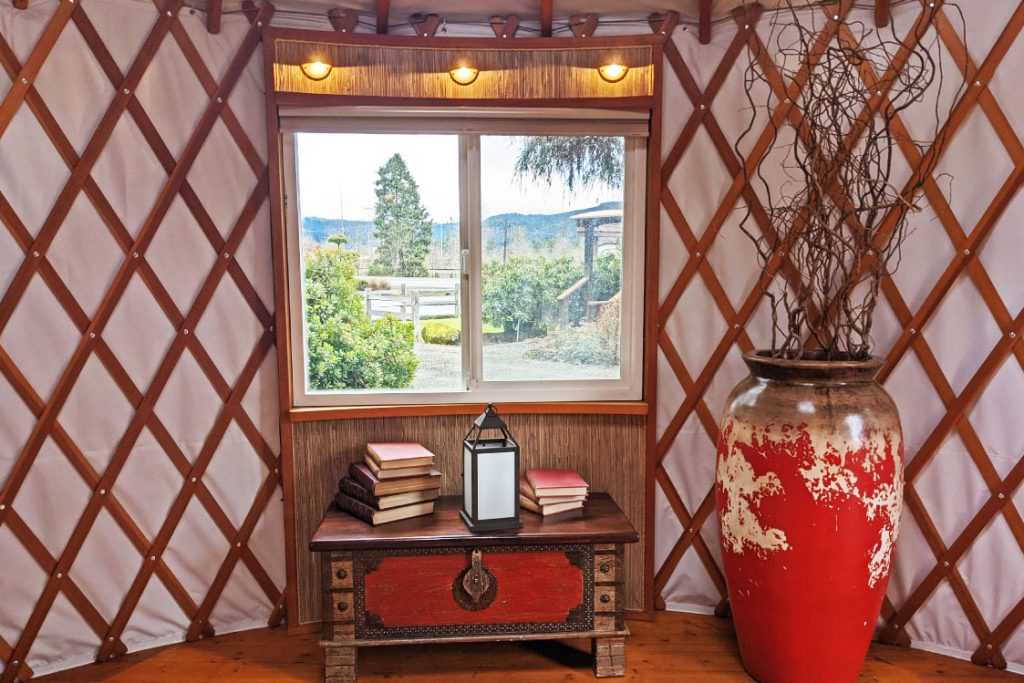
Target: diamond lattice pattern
<point>141,473</point>
<point>949,327</point>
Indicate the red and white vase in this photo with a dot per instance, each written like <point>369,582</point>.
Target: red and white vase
<point>808,493</point>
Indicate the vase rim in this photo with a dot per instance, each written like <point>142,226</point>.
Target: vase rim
<point>763,364</point>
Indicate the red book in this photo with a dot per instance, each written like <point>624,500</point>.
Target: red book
<point>406,454</point>
<point>369,481</point>
<point>526,490</point>
<point>548,482</point>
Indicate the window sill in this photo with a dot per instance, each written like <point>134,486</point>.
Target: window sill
<point>557,408</point>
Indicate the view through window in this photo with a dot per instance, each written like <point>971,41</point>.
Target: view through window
<point>387,271</point>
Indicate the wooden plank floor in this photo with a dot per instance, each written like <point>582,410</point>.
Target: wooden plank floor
<point>674,647</point>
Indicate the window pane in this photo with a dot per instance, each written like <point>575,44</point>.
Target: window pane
<point>552,221</point>
<point>379,218</point>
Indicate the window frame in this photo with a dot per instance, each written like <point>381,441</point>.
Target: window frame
<point>468,126</point>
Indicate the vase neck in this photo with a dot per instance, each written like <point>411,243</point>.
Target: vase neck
<point>763,366</point>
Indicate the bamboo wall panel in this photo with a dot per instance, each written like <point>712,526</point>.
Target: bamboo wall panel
<point>607,450</point>
<point>380,71</point>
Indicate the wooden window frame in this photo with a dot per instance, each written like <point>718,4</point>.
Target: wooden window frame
<point>468,126</point>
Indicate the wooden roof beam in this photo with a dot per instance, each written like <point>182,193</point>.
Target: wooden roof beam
<point>20,4</point>
<point>881,13</point>
<point>665,23</point>
<point>704,29</point>
<point>583,25</point>
<point>250,10</point>
<point>214,10</point>
<point>343,20</point>
<point>547,17</point>
<point>383,9</point>
<point>505,27</point>
<point>425,25</point>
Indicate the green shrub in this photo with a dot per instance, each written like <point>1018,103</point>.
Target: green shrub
<point>439,333</point>
<point>607,277</point>
<point>515,293</point>
<point>345,349</point>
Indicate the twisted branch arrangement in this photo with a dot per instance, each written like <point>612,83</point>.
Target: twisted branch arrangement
<point>830,202</point>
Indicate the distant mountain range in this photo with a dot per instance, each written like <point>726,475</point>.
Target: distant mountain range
<point>540,227</point>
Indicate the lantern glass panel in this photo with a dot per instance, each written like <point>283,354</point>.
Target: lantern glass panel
<point>496,477</point>
<point>467,481</point>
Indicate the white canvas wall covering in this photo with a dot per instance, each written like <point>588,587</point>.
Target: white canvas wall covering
<point>955,483</point>
<point>40,338</point>
<point>230,529</point>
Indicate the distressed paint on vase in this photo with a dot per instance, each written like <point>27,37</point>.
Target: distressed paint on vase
<point>809,492</point>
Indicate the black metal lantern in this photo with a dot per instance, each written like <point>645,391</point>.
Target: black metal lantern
<point>490,476</point>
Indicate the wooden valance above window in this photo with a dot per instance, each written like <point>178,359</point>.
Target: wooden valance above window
<point>417,69</point>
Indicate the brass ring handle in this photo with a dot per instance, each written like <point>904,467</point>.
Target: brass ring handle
<point>605,568</point>
<point>341,574</point>
<point>342,606</point>
<point>606,598</point>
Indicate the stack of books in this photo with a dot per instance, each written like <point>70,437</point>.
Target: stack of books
<point>553,492</point>
<point>395,481</point>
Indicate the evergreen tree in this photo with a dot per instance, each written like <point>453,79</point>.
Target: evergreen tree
<point>401,223</point>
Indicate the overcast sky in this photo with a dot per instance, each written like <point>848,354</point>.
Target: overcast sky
<point>337,172</point>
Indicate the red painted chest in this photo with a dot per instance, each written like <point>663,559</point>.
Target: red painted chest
<point>431,580</point>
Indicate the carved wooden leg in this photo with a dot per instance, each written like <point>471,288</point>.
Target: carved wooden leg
<point>609,657</point>
<point>339,663</point>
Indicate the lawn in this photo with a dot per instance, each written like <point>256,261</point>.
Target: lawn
<point>456,324</point>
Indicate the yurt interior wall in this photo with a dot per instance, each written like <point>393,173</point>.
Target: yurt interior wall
<point>157,489</point>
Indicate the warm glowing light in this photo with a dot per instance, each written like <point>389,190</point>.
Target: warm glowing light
<point>613,73</point>
<point>316,70</point>
<point>464,75</point>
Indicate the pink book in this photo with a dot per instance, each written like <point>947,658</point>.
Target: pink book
<point>549,482</point>
<point>393,455</point>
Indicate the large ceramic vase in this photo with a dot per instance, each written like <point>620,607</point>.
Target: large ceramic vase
<point>809,489</point>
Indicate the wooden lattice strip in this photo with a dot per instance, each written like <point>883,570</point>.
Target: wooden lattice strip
<point>167,161</point>
<point>21,82</point>
<point>31,263</point>
<point>73,186</point>
<point>181,501</point>
<point>91,478</point>
<point>739,187</point>
<point>960,588</point>
<point>689,536</point>
<point>677,505</point>
<point>177,509</point>
<point>46,562</point>
<point>259,505</point>
<point>961,57</point>
<point>105,308</point>
<point>78,316</point>
<point>702,100</point>
<point>24,671</point>
<point>214,510</point>
<point>928,162</point>
<point>999,498</point>
<point>175,317</point>
<point>209,83</point>
<point>132,393</point>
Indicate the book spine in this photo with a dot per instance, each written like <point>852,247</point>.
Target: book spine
<point>351,488</point>
<point>354,507</point>
<point>362,478</point>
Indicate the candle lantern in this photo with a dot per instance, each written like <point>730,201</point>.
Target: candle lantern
<point>490,475</point>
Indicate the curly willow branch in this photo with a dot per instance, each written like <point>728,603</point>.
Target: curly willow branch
<point>830,202</point>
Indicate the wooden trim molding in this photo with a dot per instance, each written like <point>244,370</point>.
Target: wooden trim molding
<point>556,408</point>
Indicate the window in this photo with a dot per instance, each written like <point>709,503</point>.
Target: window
<point>464,258</point>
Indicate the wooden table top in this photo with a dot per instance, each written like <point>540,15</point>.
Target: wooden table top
<point>602,522</point>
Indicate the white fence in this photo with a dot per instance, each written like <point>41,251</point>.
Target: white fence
<point>413,303</point>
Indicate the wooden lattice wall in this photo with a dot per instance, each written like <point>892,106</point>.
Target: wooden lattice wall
<point>178,280</point>
<point>700,278</point>
<point>711,309</point>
